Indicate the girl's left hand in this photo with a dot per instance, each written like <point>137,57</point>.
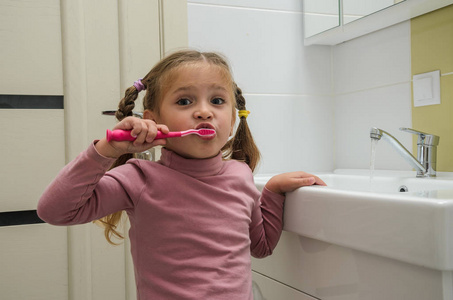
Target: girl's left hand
<point>288,182</point>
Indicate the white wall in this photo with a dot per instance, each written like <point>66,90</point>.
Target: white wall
<point>372,86</point>
<point>312,107</point>
<point>287,86</point>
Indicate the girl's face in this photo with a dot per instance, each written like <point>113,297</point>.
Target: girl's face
<point>196,96</point>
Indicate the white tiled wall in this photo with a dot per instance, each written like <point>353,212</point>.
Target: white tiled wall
<point>372,89</point>
<point>287,86</point>
<point>311,107</point>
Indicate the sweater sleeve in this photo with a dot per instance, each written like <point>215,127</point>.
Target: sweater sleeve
<point>82,192</point>
<point>267,223</point>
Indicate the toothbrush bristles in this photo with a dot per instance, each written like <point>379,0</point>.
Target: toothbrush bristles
<point>205,132</point>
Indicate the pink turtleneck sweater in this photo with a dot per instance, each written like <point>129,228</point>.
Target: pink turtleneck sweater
<point>194,223</point>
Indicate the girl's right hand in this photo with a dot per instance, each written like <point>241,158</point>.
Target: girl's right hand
<point>144,129</point>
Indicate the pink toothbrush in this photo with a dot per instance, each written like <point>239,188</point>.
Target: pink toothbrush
<point>125,135</point>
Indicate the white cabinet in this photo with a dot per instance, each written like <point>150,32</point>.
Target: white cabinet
<point>331,272</point>
<point>265,288</point>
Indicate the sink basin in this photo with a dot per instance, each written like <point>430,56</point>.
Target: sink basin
<point>375,217</point>
<point>390,182</point>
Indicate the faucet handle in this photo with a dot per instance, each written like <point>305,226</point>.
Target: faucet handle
<point>425,139</point>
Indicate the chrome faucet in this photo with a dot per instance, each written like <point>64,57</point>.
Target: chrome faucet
<point>425,163</point>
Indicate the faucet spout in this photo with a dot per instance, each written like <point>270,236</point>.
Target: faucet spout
<point>377,134</point>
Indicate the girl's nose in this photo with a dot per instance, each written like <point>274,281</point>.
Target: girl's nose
<point>203,113</point>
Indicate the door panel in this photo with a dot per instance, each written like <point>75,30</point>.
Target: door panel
<point>33,258</point>
<point>32,148</point>
<point>33,262</point>
<point>30,55</point>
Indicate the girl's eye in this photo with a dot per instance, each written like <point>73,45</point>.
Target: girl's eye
<point>184,102</point>
<point>217,101</point>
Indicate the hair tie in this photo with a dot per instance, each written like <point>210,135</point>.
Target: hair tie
<point>243,113</point>
<point>139,85</point>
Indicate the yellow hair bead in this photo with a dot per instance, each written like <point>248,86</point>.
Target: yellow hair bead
<point>243,113</point>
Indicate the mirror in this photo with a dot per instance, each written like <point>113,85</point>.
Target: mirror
<point>330,22</point>
<point>320,15</point>
<point>356,9</point>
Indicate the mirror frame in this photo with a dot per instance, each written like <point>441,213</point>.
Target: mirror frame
<point>392,15</point>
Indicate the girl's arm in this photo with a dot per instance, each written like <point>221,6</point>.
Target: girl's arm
<point>82,192</point>
<point>267,217</point>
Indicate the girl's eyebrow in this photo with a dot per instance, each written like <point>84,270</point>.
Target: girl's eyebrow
<point>185,88</point>
<point>193,87</point>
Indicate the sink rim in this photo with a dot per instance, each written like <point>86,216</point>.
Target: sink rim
<point>404,177</point>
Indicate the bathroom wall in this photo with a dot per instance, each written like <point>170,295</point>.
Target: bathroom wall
<point>432,49</point>
<point>287,85</point>
<point>372,87</point>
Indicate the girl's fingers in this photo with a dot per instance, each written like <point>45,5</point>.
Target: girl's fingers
<point>318,181</point>
<point>304,182</point>
<point>308,179</point>
<point>152,131</point>
<point>163,128</point>
<point>288,182</point>
<point>144,131</point>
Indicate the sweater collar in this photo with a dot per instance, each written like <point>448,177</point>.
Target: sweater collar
<point>196,168</point>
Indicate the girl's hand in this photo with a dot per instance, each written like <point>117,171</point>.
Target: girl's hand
<point>288,182</point>
<point>145,130</point>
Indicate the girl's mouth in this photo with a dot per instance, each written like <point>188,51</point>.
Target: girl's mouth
<point>206,126</point>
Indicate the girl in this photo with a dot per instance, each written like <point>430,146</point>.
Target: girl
<point>196,214</point>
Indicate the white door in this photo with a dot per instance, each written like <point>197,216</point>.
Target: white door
<point>62,63</point>
<point>33,256</point>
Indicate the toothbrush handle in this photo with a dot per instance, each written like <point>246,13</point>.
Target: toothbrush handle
<point>125,135</point>
<point>171,134</point>
<point>119,135</point>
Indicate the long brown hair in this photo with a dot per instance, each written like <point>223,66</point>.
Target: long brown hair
<point>240,147</point>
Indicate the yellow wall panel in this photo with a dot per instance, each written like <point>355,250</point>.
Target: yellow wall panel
<point>432,49</point>
<point>438,120</point>
<point>432,41</point>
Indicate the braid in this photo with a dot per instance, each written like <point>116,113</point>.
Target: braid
<point>242,146</point>
<point>127,104</point>
<point>110,222</point>
<point>240,100</point>
<point>125,108</point>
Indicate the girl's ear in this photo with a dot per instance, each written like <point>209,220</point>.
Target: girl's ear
<point>147,114</point>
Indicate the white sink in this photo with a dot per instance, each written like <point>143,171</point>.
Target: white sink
<point>414,227</point>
